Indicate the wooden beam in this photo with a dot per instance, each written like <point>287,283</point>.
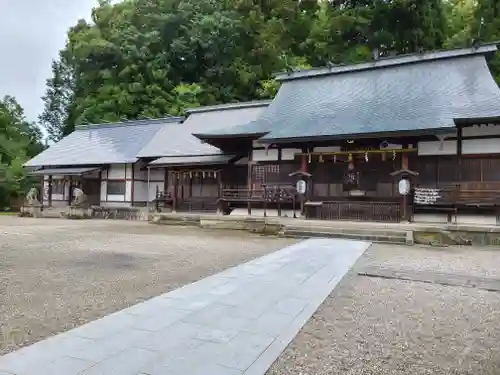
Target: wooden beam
<point>50,191</point>
<point>132,186</point>
<point>385,151</point>
<point>249,182</point>
<point>459,152</point>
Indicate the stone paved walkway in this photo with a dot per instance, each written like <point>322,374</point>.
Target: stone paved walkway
<point>236,322</point>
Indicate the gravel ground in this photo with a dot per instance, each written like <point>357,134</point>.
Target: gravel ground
<point>58,274</point>
<point>381,326</point>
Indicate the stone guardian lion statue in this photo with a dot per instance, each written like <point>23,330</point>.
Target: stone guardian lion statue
<point>79,196</point>
<point>32,196</point>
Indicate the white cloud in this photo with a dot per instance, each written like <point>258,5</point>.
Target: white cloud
<point>32,33</point>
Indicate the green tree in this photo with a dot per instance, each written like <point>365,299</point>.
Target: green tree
<point>154,58</point>
<point>58,99</point>
<point>460,21</point>
<point>486,28</point>
<point>19,141</point>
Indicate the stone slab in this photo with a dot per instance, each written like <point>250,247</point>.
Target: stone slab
<point>234,323</point>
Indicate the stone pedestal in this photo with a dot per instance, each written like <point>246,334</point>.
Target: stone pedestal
<point>79,212</point>
<point>32,210</point>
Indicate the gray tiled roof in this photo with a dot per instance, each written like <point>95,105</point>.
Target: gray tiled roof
<point>102,144</point>
<point>419,94</point>
<point>178,140</point>
<point>193,160</point>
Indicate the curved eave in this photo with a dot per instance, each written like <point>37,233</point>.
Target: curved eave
<point>236,141</point>
<point>208,137</point>
<point>407,133</point>
<point>228,106</point>
<point>477,120</point>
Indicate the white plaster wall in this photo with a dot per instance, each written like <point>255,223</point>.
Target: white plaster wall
<point>430,218</point>
<point>289,153</point>
<point>259,212</point>
<point>481,146</point>
<point>157,174</point>
<point>116,172</point>
<point>128,191</point>
<point>140,174</point>
<point>66,189</point>
<point>140,191</point>
<point>261,155</point>
<point>481,130</point>
<point>327,149</point>
<point>469,147</point>
<point>152,189</point>
<point>116,198</point>
<point>475,219</point>
<point>258,144</point>
<point>104,190</point>
<point>434,148</point>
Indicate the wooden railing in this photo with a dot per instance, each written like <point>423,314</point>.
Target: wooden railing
<point>268,193</point>
<point>275,195</point>
<point>479,194</point>
<point>198,204</point>
<point>355,211</point>
<point>242,195</point>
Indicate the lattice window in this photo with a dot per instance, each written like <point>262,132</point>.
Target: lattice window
<point>266,173</point>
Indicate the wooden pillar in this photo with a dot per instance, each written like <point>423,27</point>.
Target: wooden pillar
<point>50,191</point>
<point>404,159</point>
<point>41,192</point>
<point>165,181</point>
<point>219,181</point>
<point>175,193</point>
<point>304,168</point>
<point>459,153</point>
<point>303,163</point>
<point>249,182</point>
<point>404,166</point>
<point>132,185</point>
<point>70,191</point>
<point>100,186</point>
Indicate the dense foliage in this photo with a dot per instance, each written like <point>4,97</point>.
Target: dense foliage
<point>19,141</point>
<point>150,58</point>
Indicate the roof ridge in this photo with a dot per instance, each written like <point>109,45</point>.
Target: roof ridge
<point>227,106</point>
<point>389,61</point>
<point>168,120</point>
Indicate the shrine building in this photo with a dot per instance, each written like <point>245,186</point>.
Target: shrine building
<point>351,133</point>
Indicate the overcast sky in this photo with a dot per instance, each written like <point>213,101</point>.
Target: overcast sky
<point>31,34</point>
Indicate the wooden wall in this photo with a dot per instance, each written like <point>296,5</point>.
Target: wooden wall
<point>444,170</point>
<point>374,177</point>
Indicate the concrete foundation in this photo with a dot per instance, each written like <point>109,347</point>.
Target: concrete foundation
<point>438,234</point>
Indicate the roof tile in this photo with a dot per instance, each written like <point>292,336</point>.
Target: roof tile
<point>102,144</point>
<point>417,96</point>
<point>178,140</point>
